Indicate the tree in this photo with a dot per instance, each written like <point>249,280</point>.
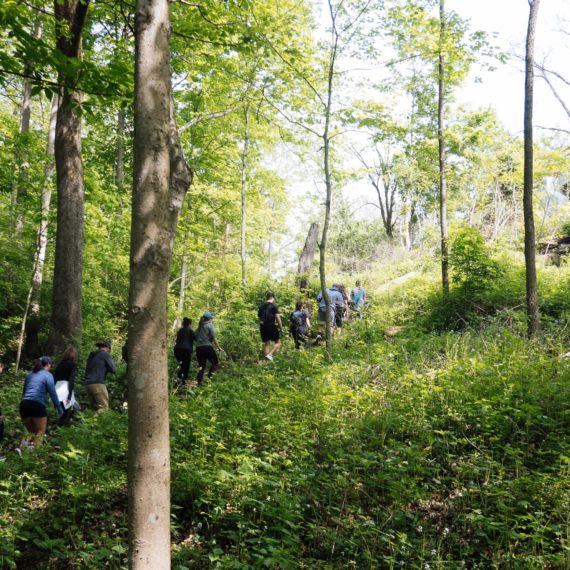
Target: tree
<point>441,81</point>
<point>448,50</point>
<point>67,276</point>
<point>307,256</point>
<point>160,182</point>
<point>533,320</point>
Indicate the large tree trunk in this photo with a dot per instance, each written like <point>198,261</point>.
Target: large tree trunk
<point>529,233</point>
<point>160,182</point>
<point>442,157</point>
<point>243,196</point>
<point>307,256</point>
<point>29,344</point>
<point>68,266</point>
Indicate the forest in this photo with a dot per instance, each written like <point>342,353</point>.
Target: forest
<point>275,293</point>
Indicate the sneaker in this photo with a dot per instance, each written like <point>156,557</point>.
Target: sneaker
<point>269,357</point>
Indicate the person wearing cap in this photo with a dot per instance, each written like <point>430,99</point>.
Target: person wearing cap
<point>205,342</point>
<point>99,364</point>
<point>270,326</point>
<point>38,384</point>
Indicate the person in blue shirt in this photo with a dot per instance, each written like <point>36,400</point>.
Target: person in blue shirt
<point>336,299</point>
<point>358,299</point>
<point>38,384</point>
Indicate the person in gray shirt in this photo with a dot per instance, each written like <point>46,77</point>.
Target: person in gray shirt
<point>99,364</point>
<point>205,342</point>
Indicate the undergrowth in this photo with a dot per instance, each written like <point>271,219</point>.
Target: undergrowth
<point>417,448</point>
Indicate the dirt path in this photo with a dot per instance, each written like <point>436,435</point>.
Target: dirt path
<point>398,281</point>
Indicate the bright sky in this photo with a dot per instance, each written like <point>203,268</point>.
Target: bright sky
<point>503,88</point>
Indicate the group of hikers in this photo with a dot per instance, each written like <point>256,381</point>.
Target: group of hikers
<point>59,385</point>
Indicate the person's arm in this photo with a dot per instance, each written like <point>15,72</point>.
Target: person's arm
<point>308,323</point>
<point>110,364</point>
<point>213,338</point>
<point>53,394</point>
<point>278,319</point>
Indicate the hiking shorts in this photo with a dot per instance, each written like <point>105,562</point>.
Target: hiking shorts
<point>269,332</point>
<point>32,409</point>
<point>322,317</point>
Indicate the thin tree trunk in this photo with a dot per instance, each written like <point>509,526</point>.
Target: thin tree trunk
<point>68,266</point>
<point>442,157</point>
<point>120,150</point>
<point>529,234</point>
<point>19,188</point>
<point>307,256</point>
<point>28,343</point>
<point>243,196</point>
<point>160,182</point>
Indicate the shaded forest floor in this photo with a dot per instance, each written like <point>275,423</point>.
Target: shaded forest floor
<point>441,446</point>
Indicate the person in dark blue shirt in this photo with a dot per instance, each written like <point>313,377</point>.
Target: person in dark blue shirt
<point>38,384</point>
<point>99,364</point>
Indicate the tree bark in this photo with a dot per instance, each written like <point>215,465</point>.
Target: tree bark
<point>68,266</point>
<point>243,196</point>
<point>29,343</point>
<point>441,153</point>
<point>533,321</point>
<point>160,182</point>
<point>307,256</point>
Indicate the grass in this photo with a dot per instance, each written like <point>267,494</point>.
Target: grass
<point>426,449</point>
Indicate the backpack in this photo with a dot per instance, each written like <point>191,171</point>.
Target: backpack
<point>298,320</point>
<point>357,296</point>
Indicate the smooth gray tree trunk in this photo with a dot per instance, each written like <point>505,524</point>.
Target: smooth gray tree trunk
<point>160,182</point>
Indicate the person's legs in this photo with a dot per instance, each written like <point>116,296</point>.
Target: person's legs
<point>37,427</point>
<point>296,337</point>
<point>265,339</point>
<point>185,356</point>
<point>98,396</point>
<point>213,358</point>
<point>275,336</point>
<point>202,357</point>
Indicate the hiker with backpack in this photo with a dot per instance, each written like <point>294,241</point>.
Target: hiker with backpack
<point>270,326</point>
<point>300,325</point>
<point>358,299</point>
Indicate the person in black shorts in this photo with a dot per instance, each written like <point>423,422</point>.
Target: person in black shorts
<point>270,326</point>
